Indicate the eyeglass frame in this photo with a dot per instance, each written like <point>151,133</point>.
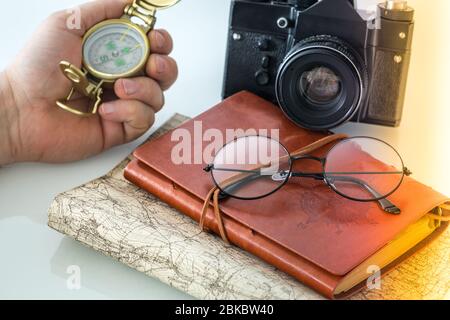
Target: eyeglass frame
<point>384,203</point>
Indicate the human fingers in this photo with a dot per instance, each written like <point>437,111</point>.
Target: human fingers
<point>142,89</point>
<point>160,42</point>
<point>163,69</point>
<point>135,117</point>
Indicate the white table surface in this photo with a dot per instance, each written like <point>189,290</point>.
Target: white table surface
<point>34,259</point>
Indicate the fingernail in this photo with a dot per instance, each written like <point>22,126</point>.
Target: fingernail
<point>129,86</point>
<point>108,108</point>
<point>159,39</point>
<point>160,64</point>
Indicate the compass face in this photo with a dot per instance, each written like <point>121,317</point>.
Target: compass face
<point>115,50</point>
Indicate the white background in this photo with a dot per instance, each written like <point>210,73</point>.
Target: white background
<point>34,259</point>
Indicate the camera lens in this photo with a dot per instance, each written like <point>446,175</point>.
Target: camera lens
<point>321,83</point>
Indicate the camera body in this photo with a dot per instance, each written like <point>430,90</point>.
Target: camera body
<point>320,60</point>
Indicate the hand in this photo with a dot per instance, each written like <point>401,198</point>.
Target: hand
<point>33,128</point>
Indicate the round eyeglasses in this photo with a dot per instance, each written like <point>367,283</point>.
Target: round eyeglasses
<point>360,169</point>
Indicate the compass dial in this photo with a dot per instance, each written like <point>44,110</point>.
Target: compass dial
<point>115,50</point>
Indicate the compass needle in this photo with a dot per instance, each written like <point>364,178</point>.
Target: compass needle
<point>124,34</point>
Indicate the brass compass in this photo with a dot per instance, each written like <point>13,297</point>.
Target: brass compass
<point>112,49</point>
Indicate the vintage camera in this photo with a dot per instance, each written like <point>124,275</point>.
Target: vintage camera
<point>321,61</point>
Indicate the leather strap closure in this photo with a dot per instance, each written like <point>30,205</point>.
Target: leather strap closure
<point>213,194</point>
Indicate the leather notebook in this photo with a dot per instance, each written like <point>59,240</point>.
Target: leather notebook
<point>327,242</point>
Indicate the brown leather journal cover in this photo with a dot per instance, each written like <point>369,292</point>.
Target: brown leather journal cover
<point>305,229</point>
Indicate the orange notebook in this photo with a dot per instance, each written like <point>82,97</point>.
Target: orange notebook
<point>328,242</point>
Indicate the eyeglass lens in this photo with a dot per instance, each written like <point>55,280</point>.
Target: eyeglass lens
<point>364,169</point>
<point>251,167</point>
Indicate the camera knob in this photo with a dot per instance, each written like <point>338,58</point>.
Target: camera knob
<point>262,78</point>
<point>396,5</point>
<point>283,23</point>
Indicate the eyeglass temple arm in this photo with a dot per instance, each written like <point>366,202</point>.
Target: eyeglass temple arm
<point>384,203</point>
<point>243,177</point>
<point>238,184</point>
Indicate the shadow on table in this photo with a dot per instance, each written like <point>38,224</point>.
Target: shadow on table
<point>106,275</point>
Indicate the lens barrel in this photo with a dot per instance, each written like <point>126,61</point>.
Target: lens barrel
<point>321,83</point>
